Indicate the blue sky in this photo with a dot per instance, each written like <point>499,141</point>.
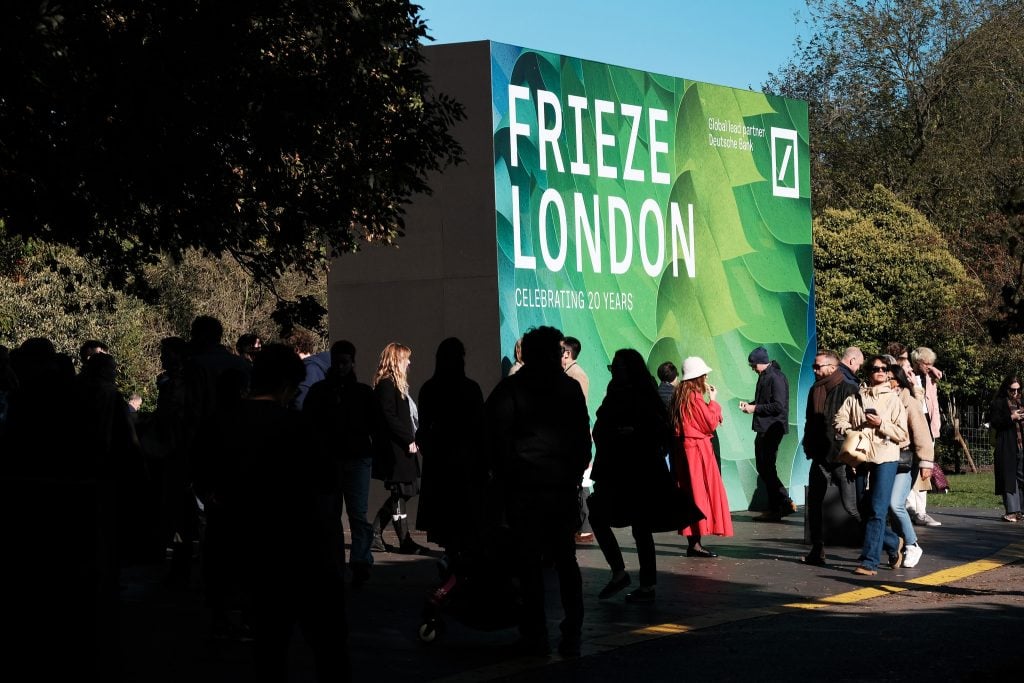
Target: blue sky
<point>727,42</point>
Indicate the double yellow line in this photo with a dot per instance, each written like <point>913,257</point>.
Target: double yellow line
<point>1009,554</point>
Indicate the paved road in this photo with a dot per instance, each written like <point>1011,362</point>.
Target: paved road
<point>754,613</point>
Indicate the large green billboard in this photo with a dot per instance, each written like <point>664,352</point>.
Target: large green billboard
<point>661,214</point>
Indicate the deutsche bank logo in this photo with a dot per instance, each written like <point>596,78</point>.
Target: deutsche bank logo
<point>785,169</point>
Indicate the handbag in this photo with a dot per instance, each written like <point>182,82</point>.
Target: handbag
<point>857,448</point>
<point>906,461</point>
<point>939,482</point>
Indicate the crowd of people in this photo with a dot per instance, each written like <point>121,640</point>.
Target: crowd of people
<point>275,441</point>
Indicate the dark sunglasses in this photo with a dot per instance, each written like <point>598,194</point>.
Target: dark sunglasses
<point>1014,390</point>
<point>879,368</point>
<point>826,365</point>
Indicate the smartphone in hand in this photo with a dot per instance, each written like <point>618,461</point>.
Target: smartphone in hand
<point>870,411</point>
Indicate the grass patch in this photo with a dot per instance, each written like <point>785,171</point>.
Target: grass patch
<point>968,491</point>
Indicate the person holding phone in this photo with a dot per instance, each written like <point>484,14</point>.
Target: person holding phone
<point>1007,418</point>
<point>877,410</point>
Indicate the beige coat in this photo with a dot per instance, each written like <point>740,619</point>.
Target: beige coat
<point>920,436</point>
<point>888,436</point>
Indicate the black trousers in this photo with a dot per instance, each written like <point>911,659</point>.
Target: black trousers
<point>766,452</point>
<point>644,550</point>
<point>817,486</point>
<point>543,528</point>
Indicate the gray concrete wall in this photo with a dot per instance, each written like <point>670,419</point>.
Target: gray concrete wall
<point>441,278</point>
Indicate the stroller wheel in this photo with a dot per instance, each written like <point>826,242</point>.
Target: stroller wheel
<point>428,632</point>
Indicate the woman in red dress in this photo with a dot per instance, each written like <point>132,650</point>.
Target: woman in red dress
<point>693,458</point>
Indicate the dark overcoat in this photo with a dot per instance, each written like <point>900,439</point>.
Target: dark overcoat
<point>1007,454</point>
<point>392,461</point>
<point>455,465</point>
<point>632,435</point>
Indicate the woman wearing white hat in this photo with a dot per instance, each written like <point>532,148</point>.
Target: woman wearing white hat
<point>694,459</point>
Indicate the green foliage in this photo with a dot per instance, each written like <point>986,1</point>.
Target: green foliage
<point>201,285</point>
<point>885,273</point>
<point>923,97</point>
<point>278,132</point>
<point>52,292</point>
<point>59,295</point>
<point>902,94</point>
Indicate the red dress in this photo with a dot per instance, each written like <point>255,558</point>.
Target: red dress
<point>697,469</point>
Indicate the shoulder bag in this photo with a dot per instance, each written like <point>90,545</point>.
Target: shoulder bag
<point>857,448</point>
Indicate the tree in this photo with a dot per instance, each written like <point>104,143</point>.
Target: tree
<point>280,132</point>
<point>924,97</point>
<point>885,273</point>
<point>49,291</point>
<point>902,93</point>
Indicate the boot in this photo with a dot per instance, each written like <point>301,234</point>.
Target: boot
<point>406,546</point>
<point>377,528</point>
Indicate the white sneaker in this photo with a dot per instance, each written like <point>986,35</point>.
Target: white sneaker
<point>912,555</point>
<point>927,520</point>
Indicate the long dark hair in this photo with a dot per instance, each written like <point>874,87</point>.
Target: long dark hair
<point>1004,388</point>
<point>900,375</point>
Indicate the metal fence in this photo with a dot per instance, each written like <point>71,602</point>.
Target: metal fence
<point>976,433</point>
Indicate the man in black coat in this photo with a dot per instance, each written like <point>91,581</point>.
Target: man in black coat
<point>347,423</point>
<point>770,411</point>
<point>540,435</point>
<point>827,394</point>
<point>267,481</point>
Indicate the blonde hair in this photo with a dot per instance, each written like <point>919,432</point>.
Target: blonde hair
<point>681,401</point>
<point>390,367</point>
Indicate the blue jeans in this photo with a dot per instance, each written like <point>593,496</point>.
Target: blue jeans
<point>875,510</point>
<point>898,505</point>
<point>355,492</point>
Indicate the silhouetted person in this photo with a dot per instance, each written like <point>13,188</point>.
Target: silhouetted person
<point>248,345</point>
<point>215,382</point>
<point>632,433</point>
<point>450,437</point>
<point>164,440</point>
<point>266,482</point>
<point>540,443</point>
<point>59,495</point>
<point>90,348</point>
<point>345,419</point>
<point>8,384</point>
<point>214,377</point>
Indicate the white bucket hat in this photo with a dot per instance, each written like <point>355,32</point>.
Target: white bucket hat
<point>694,367</point>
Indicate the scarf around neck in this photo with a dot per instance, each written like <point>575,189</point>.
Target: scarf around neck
<point>820,389</point>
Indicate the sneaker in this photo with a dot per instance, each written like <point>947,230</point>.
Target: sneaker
<point>1013,517</point>
<point>864,571</point>
<point>912,555</point>
<point>926,520</point>
<point>585,537</point>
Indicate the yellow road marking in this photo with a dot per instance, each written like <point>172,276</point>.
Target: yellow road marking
<point>1010,553</point>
